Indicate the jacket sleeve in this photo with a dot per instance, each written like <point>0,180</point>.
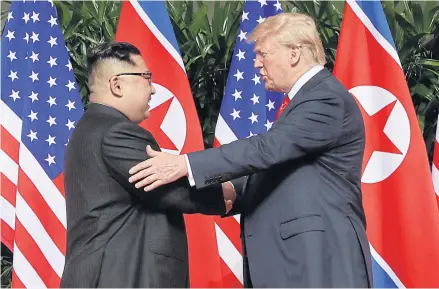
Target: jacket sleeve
<point>124,145</point>
<point>309,128</point>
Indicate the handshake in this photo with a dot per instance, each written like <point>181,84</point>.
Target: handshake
<point>229,195</point>
<point>162,168</point>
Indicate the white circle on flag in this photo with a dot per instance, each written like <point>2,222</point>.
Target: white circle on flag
<point>381,165</point>
<point>174,123</point>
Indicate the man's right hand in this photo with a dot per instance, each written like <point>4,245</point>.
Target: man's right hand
<point>160,169</point>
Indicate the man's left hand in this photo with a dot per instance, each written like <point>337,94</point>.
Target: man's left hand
<point>160,169</point>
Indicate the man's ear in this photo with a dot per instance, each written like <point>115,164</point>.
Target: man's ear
<point>116,86</point>
<point>295,54</point>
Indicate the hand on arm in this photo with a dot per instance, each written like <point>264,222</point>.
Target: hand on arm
<point>169,168</point>
<point>123,147</point>
<point>161,168</point>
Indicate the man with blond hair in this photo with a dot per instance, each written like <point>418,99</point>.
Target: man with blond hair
<point>302,218</point>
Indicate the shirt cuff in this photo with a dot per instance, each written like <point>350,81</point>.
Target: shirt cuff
<point>189,172</point>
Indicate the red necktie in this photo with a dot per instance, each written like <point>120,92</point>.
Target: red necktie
<point>283,106</point>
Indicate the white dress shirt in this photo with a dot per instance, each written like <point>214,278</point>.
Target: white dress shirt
<point>296,87</point>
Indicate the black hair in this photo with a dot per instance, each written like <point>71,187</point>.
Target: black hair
<point>121,51</point>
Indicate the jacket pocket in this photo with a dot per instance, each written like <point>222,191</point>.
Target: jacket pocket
<point>168,247</point>
<point>300,225</point>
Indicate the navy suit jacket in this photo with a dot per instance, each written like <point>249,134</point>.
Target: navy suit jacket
<point>303,223</point>
<point>119,235</point>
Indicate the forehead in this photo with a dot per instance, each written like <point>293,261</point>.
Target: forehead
<point>139,62</point>
<point>264,44</point>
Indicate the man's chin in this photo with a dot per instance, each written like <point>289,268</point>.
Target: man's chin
<point>269,87</point>
<point>272,87</point>
<point>141,119</point>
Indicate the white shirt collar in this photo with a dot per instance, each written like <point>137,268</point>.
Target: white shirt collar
<point>304,79</point>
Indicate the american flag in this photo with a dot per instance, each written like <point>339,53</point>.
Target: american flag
<point>39,107</point>
<point>247,109</point>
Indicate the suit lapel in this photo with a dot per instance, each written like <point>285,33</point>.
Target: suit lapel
<point>302,93</point>
<point>253,182</point>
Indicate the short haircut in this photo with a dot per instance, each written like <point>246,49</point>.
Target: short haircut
<point>119,51</point>
<point>292,29</point>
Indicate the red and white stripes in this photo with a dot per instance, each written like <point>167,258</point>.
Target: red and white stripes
<point>33,210</point>
<point>228,229</point>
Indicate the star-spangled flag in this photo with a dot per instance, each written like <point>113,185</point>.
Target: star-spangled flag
<point>398,197</point>
<point>247,109</point>
<point>39,108</point>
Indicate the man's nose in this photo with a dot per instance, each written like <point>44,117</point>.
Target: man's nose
<point>152,89</point>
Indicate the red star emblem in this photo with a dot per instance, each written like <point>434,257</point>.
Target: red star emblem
<point>155,120</point>
<point>376,139</point>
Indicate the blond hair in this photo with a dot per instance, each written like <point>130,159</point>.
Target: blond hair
<point>291,29</point>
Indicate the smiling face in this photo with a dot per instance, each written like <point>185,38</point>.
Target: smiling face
<point>134,86</point>
<point>119,78</point>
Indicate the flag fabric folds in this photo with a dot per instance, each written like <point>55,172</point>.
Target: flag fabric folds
<point>398,197</point>
<point>173,117</point>
<point>39,108</point>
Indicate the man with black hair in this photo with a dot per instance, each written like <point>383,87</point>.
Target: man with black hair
<point>118,235</point>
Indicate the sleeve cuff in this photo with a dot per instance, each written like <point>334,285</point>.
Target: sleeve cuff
<point>189,172</point>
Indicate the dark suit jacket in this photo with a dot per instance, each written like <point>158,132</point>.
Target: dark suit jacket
<point>117,235</point>
<point>302,218</point>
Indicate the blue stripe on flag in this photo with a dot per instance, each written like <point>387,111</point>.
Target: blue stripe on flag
<point>380,277</point>
<point>157,12</point>
<point>374,11</point>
